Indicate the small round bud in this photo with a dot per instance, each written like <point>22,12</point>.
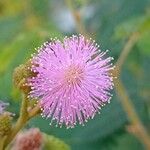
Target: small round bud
<point>20,76</point>
<point>28,140</point>
<point>5,123</point>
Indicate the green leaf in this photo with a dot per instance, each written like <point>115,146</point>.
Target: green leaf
<point>137,24</point>
<point>53,143</point>
<point>10,51</point>
<point>144,43</point>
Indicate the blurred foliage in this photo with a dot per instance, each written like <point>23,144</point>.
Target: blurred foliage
<point>53,143</point>
<point>25,25</point>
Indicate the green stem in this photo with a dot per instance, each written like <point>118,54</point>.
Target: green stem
<point>77,18</point>
<point>21,122</point>
<point>140,131</point>
<point>2,140</point>
<point>35,111</point>
<point>126,50</point>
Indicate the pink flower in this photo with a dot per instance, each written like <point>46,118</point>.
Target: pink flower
<point>28,140</point>
<point>73,80</point>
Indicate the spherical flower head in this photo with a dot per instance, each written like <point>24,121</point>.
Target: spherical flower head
<point>73,80</point>
<point>28,140</point>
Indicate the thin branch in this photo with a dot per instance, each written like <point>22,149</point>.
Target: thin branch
<point>22,120</point>
<point>35,111</point>
<point>2,140</point>
<point>77,18</point>
<point>126,50</point>
<point>140,131</point>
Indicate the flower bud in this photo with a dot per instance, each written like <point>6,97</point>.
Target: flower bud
<point>5,123</point>
<point>28,140</point>
<point>20,76</point>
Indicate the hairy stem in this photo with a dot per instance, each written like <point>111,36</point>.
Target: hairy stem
<point>77,18</point>
<point>2,140</point>
<point>22,120</point>
<point>35,111</point>
<point>126,50</point>
<point>140,131</point>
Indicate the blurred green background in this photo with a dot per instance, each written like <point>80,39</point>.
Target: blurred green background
<point>25,25</point>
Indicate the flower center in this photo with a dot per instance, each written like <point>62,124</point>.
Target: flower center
<point>73,75</point>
